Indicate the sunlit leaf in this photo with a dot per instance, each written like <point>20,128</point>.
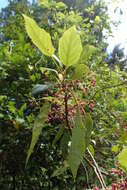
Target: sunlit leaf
<point>115,148</point>
<point>39,36</point>
<point>122,158</point>
<point>70,47</point>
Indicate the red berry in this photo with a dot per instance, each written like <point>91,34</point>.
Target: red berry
<point>87,89</point>
<point>95,188</point>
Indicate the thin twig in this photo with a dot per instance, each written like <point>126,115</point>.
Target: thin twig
<point>96,172</point>
<point>57,59</point>
<point>108,87</point>
<point>97,167</point>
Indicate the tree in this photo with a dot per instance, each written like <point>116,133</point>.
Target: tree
<point>117,57</point>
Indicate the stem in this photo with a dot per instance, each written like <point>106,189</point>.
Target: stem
<point>96,172</point>
<point>97,168</point>
<point>66,110</point>
<point>13,182</point>
<point>108,87</point>
<point>57,59</point>
<point>87,177</point>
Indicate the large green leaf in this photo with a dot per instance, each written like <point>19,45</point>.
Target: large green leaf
<point>122,158</point>
<point>38,125</point>
<point>70,47</point>
<point>78,145</point>
<point>81,70</point>
<point>80,139</point>
<point>87,53</point>
<point>39,36</point>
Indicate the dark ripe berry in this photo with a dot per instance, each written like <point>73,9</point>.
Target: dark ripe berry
<point>91,104</point>
<point>93,82</point>
<point>126,179</point>
<point>49,91</point>
<point>120,173</point>
<point>125,184</point>
<point>35,104</point>
<point>86,89</point>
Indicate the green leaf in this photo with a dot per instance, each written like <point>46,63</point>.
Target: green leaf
<point>89,127</point>
<point>87,53</point>
<point>122,158</point>
<point>70,47</point>
<point>1,115</point>
<point>123,137</point>
<point>78,145</point>
<point>64,143</point>
<point>58,135</point>
<point>115,148</point>
<point>44,3</point>
<point>38,125</point>
<point>80,71</point>
<point>80,139</point>
<point>61,6</point>
<point>39,36</point>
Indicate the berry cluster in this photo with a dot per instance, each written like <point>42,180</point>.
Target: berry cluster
<point>58,112</point>
<point>121,185</point>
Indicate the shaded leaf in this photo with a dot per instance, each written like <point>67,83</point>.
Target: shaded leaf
<point>60,170</point>
<point>70,47</point>
<point>58,135</point>
<point>80,71</point>
<point>87,53</point>
<point>40,88</point>
<point>64,143</point>
<point>38,125</point>
<point>89,127</point>
<point>78,145</point>
<point>80,139</point>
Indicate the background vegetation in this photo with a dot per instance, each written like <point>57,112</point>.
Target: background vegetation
<point>24,83</point>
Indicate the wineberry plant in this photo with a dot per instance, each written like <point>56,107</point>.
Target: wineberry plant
<point>67,107</point>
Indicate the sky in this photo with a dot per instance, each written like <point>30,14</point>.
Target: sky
<point>3,3</point>
<point>120,32</point>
